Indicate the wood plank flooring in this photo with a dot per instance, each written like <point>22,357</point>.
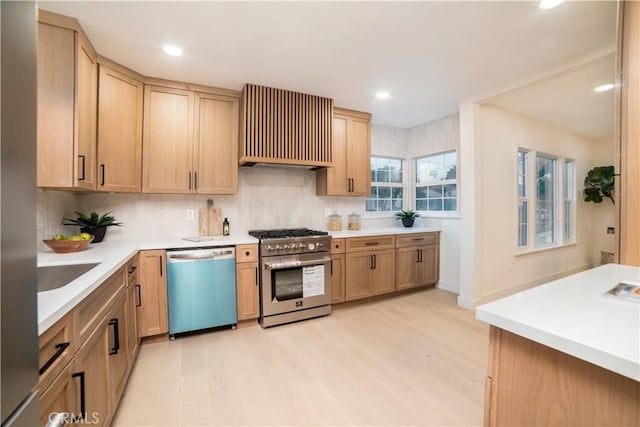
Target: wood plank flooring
<point>414,359</point>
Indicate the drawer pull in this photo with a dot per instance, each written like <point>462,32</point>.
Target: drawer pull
<point>139,303</point>
<point>116,337</point>
<point>418,238</point>
<point>372,243</point>
<point>60,348</point>
<point>83,403</point>
<point>133,268</point>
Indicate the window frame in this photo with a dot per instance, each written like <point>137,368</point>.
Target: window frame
<point>559,199</point>
<point>403,185</point>
<point>414,185</point>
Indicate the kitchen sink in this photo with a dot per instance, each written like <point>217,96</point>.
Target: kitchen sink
<point>50,278</point>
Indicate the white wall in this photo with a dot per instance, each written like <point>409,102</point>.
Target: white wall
<point>499,271</point>
<point>51,207</point>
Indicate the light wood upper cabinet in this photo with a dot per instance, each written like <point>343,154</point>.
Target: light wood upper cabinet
<point>154,319</point>
<point>167,140</point>
<point>190,142</point>
<point>120,99</point>
<point>67,103</point>
<point>351,146</point>
<point>216,144</point>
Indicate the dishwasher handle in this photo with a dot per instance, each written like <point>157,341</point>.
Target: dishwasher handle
<point>202,255</point>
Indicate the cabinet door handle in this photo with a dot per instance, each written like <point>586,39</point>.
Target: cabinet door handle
<point>195,180</point>
<point>375,262</point>
<point>60,348</point>
<point>139,303</point>
<point>420,255</point>
<point>82,157</point>
<point>116,337</point>
<point>189,180</point>
<point>256,276</point>
<point>132,269</point>
<point>83,403</point>
<point>332,267</point>
<point>417,255</point>
<point>160,265</point>
<point>102,174</point>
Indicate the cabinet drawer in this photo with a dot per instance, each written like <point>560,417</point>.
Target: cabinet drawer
<point>132,271</point>
<point>358,244</point>
<point>95,306</point>
<point>246,253</point>
<point>417,239</point>
<point>337,246</point>
<point>55,349</point>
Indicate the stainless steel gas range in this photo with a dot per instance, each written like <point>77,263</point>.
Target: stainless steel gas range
<point>295,275</point>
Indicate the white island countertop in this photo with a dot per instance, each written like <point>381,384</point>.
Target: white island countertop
<point>572,315</point>
<point>110,256</point>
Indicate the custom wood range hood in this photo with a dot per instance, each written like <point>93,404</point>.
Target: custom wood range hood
<point>281,127</point>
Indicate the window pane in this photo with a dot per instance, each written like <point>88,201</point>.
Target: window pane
<point>370,205</point>
<point>384,205</point>
<point>522,223</point>
<point>567,220</point>
<point>374,192</point>
<point>384,192</point>
<point>396,192</point>
<point>450,204</point>
<point>421,205</point>
<point>397,204</point>
<point>382,176</point>
<point>435,205</point>
<point>545,204</point>
<point>395,176</point>
<point>522,168</point>
<point>435,191</point>
<point>421,192</point>
<point>373,176</point>
<point>450,190</point>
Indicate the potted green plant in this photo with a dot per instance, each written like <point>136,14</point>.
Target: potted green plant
<point>598,184</point>
<point>93,224</point>
<point>407,216</point>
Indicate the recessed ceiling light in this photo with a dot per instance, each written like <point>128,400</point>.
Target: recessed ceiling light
<point>383,95</point>
<point>550,4</point>
<point>172,50</point>
<point>604,88</point>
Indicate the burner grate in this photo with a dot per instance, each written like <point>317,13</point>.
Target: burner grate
<point>283,233</point>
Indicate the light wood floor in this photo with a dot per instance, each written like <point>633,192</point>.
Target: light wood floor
<point>415,359</point>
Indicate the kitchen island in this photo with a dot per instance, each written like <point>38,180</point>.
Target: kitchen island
<point>564,353</point>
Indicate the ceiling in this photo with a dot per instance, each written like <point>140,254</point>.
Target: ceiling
<point>429,55</point>
<point>568,101</point>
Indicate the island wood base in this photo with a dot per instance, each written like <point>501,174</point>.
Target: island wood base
<point>531,384</point>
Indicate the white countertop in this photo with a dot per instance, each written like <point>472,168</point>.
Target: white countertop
<point>381,231</point>
<point>573,316</point>
<point>54,304</point>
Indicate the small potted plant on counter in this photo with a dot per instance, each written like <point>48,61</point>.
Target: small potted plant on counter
<point>93,224</point>
<point>407,216</point>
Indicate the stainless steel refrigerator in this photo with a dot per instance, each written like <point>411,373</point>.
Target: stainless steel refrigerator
<point>18,274</point>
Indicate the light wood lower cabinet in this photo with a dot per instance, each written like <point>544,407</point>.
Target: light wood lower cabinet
<point>247,286</point>
<point>118,349</point>
<point>92,371</point>
<point>416,266</point>
<point>152,307</point>
<point>534,385</point>
<point>61,396</point>
<point>369,273</point>
<point>338,278</point>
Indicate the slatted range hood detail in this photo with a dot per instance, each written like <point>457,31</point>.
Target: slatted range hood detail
<point>284,127</point>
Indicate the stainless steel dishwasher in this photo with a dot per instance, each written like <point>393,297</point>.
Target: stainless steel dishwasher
<point>201,289</point>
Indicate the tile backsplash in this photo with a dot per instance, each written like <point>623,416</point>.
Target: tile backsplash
<point>268,197</point>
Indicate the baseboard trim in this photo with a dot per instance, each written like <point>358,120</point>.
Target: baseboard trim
<point>448,286</point>
<point>465,303</point>
<point>500,293</point>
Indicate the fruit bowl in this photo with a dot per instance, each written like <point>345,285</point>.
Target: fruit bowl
<point>67,246</point>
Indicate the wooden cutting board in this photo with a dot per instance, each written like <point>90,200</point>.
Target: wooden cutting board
<point>210,220</point>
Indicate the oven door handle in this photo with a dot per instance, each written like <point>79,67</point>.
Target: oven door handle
<point>289,264</point>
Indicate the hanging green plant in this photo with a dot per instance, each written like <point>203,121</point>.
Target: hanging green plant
<point>599,184</point>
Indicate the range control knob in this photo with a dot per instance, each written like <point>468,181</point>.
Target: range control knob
<point>278,247</point>
<point>286,247</point>
<point>269,248</point>
<point>311,246</point>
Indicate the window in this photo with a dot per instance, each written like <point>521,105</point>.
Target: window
<point>387,191</point>
<point>551,181</point>
<point>436,184</point>
<point>523,200</point>
<point>569,194</point>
